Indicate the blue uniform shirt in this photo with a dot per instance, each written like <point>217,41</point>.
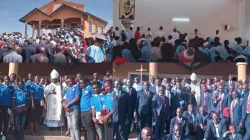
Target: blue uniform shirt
<point>6,93</point>
<point>27,85</point>
<point>21,97</point>
<point>87,94</point>
<point>96,102</point>
<point>108,101</point>
<point>71,93</point>
<point>37,90</point>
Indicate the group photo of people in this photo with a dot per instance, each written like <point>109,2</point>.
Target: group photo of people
<point>134,45</point>
<point>182,107</point>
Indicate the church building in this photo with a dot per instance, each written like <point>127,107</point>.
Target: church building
<point>63,14</point>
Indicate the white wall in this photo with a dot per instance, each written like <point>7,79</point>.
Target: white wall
<point>205,15</point>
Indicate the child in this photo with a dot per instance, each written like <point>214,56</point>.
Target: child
<point>231,134</point>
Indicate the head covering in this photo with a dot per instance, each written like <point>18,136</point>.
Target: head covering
<point>100,36</point>
<point>127,3</point>
<point>127,54</point>
<point>146,54</point>
<point>187,56</point>
<point>54,74</point>
<point>193,77</point>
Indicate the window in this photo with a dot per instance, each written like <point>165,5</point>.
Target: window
<point>90,26</point>
<point>102,29</point>
<point>96,27</point>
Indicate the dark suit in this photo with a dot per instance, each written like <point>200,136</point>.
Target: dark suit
<point>172,137</point>
<point>161,111</point>
<point>201,120</point>
<point>210,133</point>
<point>190,99</point>
<point>120,115</point>
<point>224,104</point>
<point>184,124</point>
<point>191,122</point>
<point>246,117</point>
<point>227,84</point>
<point>131,108</point>
<point>144,110</point>
<point>176,102</point>
<point>236,137</point>
<point>236,115</point>
<point>206,103</point>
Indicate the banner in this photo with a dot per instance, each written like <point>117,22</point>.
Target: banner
<point>127,9</point>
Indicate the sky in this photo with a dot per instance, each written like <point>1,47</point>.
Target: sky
<point>13,10</point>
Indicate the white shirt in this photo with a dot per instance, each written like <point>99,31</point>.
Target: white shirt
<point>159,34</point>
<point>175,35</point>
<point>179,119</point>
<point>217,130</point>
<point>172,41</point>
<point>168,94</point>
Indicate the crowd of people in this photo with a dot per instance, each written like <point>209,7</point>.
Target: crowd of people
<point>54,46</point>
<point>182,109</point>
<point>134,46</point>
<point>65,102</point>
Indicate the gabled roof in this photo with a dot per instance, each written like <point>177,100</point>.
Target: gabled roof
<point>31,12</point>
<point>86,14</point>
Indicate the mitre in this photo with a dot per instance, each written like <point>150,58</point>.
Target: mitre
<point>54,74</point>
<point>193,77</point>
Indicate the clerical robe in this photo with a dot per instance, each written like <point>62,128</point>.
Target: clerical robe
<point>196,88</point>
<point>54,116</point>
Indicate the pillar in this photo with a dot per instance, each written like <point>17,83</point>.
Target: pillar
<point>62,23</point>
<point>153,69</point>
<point>13,68</point>
<point>25,29</point>
<point>40,27</point>
<point>242,71</point>
<point>33,30</point>
<point>82,23</point>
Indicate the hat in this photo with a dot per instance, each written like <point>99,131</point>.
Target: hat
<point>193,77</point>
<point>100,36</point>
<point>187,56</point>
<point>54,74</point>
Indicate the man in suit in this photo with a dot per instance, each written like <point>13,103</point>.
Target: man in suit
<point>244,90</point>
<point>232,134</point>
<point>190,99</point>
<point>131,105</point>
<point>160,111</point>
<point>214,90</point>
<point>152,87</point>
<point>177,134</point>
<point>230,82</point>
<point>235,111</point>
<point>221,101</point>
<point>215,129</point>
<point>246,115</point>
<point>202,121</point>
<point>181,120</point>
<point>120,112</point>
<point>144,108</point>
<point>191,117</point>
<point>171,98</point>
<point>206,99</point>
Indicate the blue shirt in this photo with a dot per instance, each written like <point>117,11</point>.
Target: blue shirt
<point>38,92</point>
<point>95,54</point>
<point>6,93</point>
<point>96,102</point>
<point>71,94</point>
<point>87,94</point>
<point>27,85</point>
<point>21,97</point>
<point>108,101</point>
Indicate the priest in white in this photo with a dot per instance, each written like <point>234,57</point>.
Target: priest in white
<point>53,93</point>
<point>195,88</point>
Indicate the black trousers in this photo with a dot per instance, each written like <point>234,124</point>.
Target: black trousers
<point>144,120</point>
<point>4,118</point>
<point>88,125</point>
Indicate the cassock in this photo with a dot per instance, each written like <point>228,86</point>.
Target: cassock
<point>195,88</point>
<point>54,117</point>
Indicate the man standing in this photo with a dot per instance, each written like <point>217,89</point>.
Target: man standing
<point>144,108</point>
<point>73,94</point>
<point>195,88</point>
<point>53,94</point>
<point>86,116</point>
<point>6,92</point>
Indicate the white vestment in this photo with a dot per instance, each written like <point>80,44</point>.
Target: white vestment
<point>196,88</point>
<point>54,116</point>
